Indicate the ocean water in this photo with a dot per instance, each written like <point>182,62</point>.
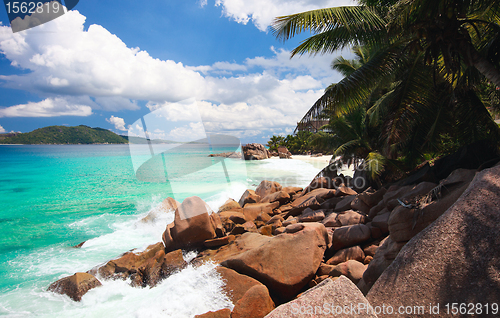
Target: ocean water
<point>54,197</point>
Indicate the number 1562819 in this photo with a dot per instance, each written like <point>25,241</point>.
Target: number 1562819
<point>32,7</point>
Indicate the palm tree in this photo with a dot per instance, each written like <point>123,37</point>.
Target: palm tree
<point>409,85</point>
<point>275,142</point>
<point>449,31</point>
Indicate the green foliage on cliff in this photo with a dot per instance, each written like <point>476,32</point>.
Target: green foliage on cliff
<point>64,135</point>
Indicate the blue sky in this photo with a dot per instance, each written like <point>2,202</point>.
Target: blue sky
<point>109,63</point>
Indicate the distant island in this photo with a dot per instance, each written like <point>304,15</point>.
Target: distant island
<point>64,135</point>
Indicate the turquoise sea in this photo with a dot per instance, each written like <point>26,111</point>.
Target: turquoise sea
<point>53,197</point>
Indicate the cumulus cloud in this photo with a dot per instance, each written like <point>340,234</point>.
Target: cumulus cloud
<point>118,122</point>
<point>263,12</point>
<point>2,130</point>
<point>189,132</point>
<point>78,70</point>
<point>50,107</point>
<point>66,59</point>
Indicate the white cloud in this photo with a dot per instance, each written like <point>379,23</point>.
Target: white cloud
<point>79,70</point>
<point>263,12</point>
<point>2,130</point>
<point>118,122</point>
<point>190,132</point>
<point>63,57</point>
<point>50,107</point>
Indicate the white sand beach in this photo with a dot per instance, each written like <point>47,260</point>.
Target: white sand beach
<point>321,162</point>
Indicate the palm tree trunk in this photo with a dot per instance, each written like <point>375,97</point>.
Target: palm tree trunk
<point>482,64</point>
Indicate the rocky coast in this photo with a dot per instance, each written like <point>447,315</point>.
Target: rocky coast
<point>413,248</point>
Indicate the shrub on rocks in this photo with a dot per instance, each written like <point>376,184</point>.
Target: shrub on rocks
<point>404,223</point>
<point>454,260</point>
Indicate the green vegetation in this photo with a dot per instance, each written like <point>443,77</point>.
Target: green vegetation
<point>301,143</point>
<point>64,135</point>
<point>424,82</point>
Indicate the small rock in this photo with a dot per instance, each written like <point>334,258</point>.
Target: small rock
<point>230,204</point>
<point>346,254</point>
<point>310,215</point>
<point>351,269</point>
<point>350,235</point>
<point>75,286</point>
<point>219,241</point>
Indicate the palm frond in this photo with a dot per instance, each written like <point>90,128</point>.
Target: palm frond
<point>334,28</point>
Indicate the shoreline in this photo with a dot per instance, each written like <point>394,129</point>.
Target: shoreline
<point>312,225</point>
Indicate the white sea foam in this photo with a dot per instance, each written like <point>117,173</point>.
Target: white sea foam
<point>192,291</point>
<point>184,294</point>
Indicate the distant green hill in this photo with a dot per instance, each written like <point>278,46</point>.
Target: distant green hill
<point>64,135</point>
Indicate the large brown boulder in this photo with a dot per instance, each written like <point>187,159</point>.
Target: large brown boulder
<point>243,243</point>
<point>384,256</point>
<point>192,225</point>
<point>344,204</point>
<point>309,215</point>
<point>230,204</point>
<point>255,151</point>
<point>266,187</point>
<point>75,286</point>
<point>146,268</point>
<point>372,198</point>
<point>249,196</point>
<point>253,210</point>
<point>328,299</point>
<point>350,235</point>
<point>281,196</point>
<point>351,269</point>
<point>286,262</point>
<point>256,303</point>
<point>350,217</point>
<point>235,284</point>
<point>454,260</point>
<point>345,254</point>
<point>312,200</point>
